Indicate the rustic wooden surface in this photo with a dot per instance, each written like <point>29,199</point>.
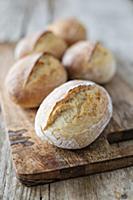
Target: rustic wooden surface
<point>36,162</point>
<point>109,21</point>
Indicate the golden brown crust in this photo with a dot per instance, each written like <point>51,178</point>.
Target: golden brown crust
<point>32,78</point>
<point>74,114</point>
<point>39,35</point>
<point>40,42</point>
<point>89,61</point>
<point>57,109</point>
<point>71,30</point>
<point>56,96</point>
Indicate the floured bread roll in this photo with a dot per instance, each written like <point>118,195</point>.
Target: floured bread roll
<point>33,77</point>
<point>74,114</point>
<point>90,61</point>
<point>71,30</point>
<point>44,41</point>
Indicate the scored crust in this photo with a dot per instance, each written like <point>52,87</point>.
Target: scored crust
<point>36,43</point>
<point>26,44</point>
<point>89,61</point>
<point>32,78</point>
<point>48,117</point>
<point>75,50</point>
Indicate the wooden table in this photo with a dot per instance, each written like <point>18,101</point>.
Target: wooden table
<point>108,21</point>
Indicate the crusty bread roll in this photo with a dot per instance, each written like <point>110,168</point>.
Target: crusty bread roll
<point>89,61</point>
<point>74,114</point>
<point>33,77</point>
<point>44,41</point>
<point>71,30</point>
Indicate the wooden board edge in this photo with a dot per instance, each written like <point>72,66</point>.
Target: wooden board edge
<point>79,171</point>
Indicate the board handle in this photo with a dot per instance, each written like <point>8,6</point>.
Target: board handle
<point>120,136</point>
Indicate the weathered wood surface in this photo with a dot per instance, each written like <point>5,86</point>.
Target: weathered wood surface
<point>36,162</point>
<point>111,22</point>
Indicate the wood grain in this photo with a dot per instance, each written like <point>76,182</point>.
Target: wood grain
<point>114,19</point>
<point>37,162</point>
<point>110,22</point>
<point>10,186</point>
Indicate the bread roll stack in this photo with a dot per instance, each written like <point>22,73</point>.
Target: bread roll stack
<point>73,114</point>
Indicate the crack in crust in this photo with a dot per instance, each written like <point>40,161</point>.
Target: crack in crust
<point>62,105</point>
<point>44,41</point>
<point>32,78</point>
<point>74,114</point>
<point>89,61</point>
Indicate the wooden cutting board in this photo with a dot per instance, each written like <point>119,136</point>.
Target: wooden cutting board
<point>38,162</point>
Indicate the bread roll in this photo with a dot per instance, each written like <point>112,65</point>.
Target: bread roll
<point>74,114</point>
<point>71,30</point>
<point>33,77</point>
<point>44,41</point>
<point>90,61</point>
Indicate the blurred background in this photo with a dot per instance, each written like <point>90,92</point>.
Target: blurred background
<point>107,21</point>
